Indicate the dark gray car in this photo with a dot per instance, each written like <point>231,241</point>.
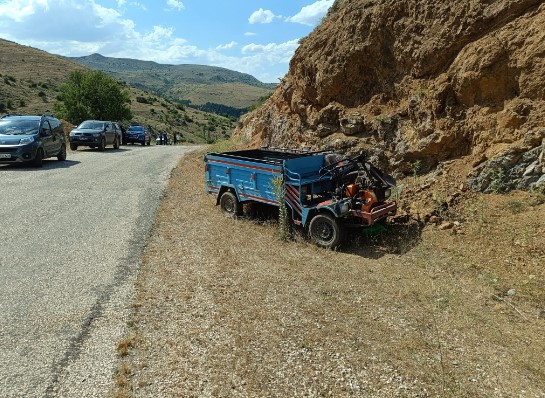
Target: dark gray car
<point>95,134</point>
<point>31,139</point>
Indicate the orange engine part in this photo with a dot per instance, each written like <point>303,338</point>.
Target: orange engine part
<point>369,200</point>
<point>352,190</point>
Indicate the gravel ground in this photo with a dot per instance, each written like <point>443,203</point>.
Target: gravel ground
<point>72,234</point>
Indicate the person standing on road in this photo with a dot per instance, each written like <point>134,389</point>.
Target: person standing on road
<point>165,138</point>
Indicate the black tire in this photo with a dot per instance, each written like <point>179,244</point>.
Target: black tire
<point>325,231</point>
<point>116,143</point>
<point>62,154</point>
<point>73,147</point>
<point>102,145</point>
<point>230,206</point>
<point>38,160</point>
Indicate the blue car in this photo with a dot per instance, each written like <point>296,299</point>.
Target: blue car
<point>31,139</point>
<point>138,134</point>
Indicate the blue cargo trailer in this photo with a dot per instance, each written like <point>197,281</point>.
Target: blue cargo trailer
<point>323,191</point>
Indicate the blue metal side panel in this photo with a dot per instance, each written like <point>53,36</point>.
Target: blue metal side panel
<point>252,181</point>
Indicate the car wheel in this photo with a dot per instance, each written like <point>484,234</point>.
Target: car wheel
<point>230,206</point>
<point>73,147</point>
<point>39,158</point>
<point>324,231</point>
<point>62,154</point>
<point>102,145</point>
<point>116,143</point>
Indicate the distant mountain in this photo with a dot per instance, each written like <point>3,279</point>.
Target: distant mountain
<point>208,88</point>
<point>30,81</point>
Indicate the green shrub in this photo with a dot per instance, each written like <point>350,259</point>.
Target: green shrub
<point>279,190</point>
<point>497,183</point>
<point>515,206</point>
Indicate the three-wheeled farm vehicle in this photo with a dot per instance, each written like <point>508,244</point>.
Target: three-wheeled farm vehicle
<point>323,191</point>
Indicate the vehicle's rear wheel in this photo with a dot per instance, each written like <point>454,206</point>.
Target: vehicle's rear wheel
<point>230,206</point>
<point>73,147</point>
<point>102,145</point>
<point>62,154</point>
<point>325,232</point>
<point>116,143</point>
<point>39,158</point>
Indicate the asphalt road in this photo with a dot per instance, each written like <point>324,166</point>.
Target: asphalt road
<point>71,236</point>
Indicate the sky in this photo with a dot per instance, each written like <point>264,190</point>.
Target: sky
<point>258,37</point>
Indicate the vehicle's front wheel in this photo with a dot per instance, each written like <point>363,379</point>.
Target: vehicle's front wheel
<point>73,147</point>
<point>102,145</point>
<point>325,231</point>
<point>230,206</point>
<point>62,154</point>
<point>39,158</point>
<point>116,143</point>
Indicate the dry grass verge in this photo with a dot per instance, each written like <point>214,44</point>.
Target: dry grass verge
<point>225,309</point>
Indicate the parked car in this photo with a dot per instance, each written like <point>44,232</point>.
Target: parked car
<point>138,134</point>
<point>94,134</point>
<point>31,139</point>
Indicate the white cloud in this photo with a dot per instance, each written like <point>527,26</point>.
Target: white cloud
<point>250,34</point>
<point>175,4</point>
<point>227,46</point>
<point>262,16</point>
<point>17,10</point>
<point>312,14</point>
<point>272,50</point>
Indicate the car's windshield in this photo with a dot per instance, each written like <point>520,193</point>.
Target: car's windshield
<point>137,129</point>
<point>19,127</point>
<point>91,125</point>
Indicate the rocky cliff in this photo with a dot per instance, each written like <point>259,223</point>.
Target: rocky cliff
<point>419,84</point>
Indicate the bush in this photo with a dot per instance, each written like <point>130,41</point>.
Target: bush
<point>8,80</point>
<point>143,100</point>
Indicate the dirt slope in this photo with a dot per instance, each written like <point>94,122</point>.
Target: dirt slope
<point>416,84</point>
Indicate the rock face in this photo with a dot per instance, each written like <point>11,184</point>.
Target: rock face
<point>411,81</point>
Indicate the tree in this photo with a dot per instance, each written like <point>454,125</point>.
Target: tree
<point>92,95</point>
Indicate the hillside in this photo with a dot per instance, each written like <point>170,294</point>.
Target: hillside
<point>197,85</point>
<point>30,78</point>
<point>454,91</point>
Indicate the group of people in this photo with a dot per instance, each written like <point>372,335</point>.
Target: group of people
<point>163,138</point>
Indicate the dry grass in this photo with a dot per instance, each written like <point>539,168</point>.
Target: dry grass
<point>223,308</point>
